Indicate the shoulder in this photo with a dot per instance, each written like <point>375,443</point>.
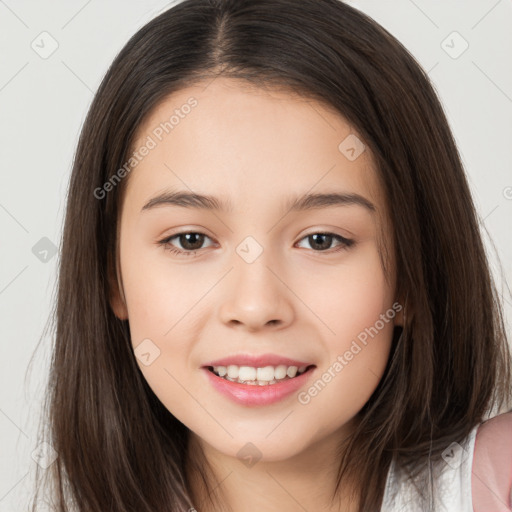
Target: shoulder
<point>491,478</point>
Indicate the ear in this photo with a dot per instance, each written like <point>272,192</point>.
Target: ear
<point>401,314</point>
<point>399,317</point>
<point>118,305</point>
<point>116,296</point>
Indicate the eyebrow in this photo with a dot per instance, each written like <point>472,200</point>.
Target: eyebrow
<point>304,202</point>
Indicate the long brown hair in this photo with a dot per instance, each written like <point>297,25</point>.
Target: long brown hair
<point>119,449</point>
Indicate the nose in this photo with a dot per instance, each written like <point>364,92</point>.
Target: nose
<point>256,296</point>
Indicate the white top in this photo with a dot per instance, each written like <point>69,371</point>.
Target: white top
<point>451,489</point>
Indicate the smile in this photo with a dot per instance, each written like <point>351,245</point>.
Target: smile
<point>252,376</point>
<point>252,389</point>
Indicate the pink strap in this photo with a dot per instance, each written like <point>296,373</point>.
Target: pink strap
<point>491,478</point>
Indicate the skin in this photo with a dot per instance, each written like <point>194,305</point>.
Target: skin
<point>255,148</point>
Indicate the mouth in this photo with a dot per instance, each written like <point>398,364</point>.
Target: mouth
<point>258,386</point>
<point>259,376</point>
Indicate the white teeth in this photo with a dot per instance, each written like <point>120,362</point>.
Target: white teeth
<point>246,373</point>
<point>280,372</point>
<point>266,373</point>
<point>233,371</point>
<point>253,382</point>
<point>258,376</point>
<point>292,371</point>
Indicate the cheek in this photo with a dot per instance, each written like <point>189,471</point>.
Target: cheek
<point>158,317</point>
<point>355,303</point>
<point>162,296</point>
<point>350,297</point>
<point>164,309</point>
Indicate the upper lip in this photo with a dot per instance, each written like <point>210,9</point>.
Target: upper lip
<point>257,361</point>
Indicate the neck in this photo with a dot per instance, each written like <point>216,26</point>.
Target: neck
<point>304,482</point>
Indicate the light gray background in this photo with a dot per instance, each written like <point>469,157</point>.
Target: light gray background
<point>43,103</point>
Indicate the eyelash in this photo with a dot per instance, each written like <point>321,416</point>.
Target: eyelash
<point>345,243</point>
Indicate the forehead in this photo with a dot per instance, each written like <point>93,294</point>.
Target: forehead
<point>230,139</point>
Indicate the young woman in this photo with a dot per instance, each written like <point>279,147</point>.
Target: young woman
<point>273,292</point>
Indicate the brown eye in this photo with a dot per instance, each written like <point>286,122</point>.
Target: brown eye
<point>321,242</point>
<point>190,242</point>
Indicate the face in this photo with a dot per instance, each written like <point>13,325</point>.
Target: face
<point>247,274</point>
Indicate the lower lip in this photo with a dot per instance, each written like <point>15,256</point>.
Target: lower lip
<point>246,394</point>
